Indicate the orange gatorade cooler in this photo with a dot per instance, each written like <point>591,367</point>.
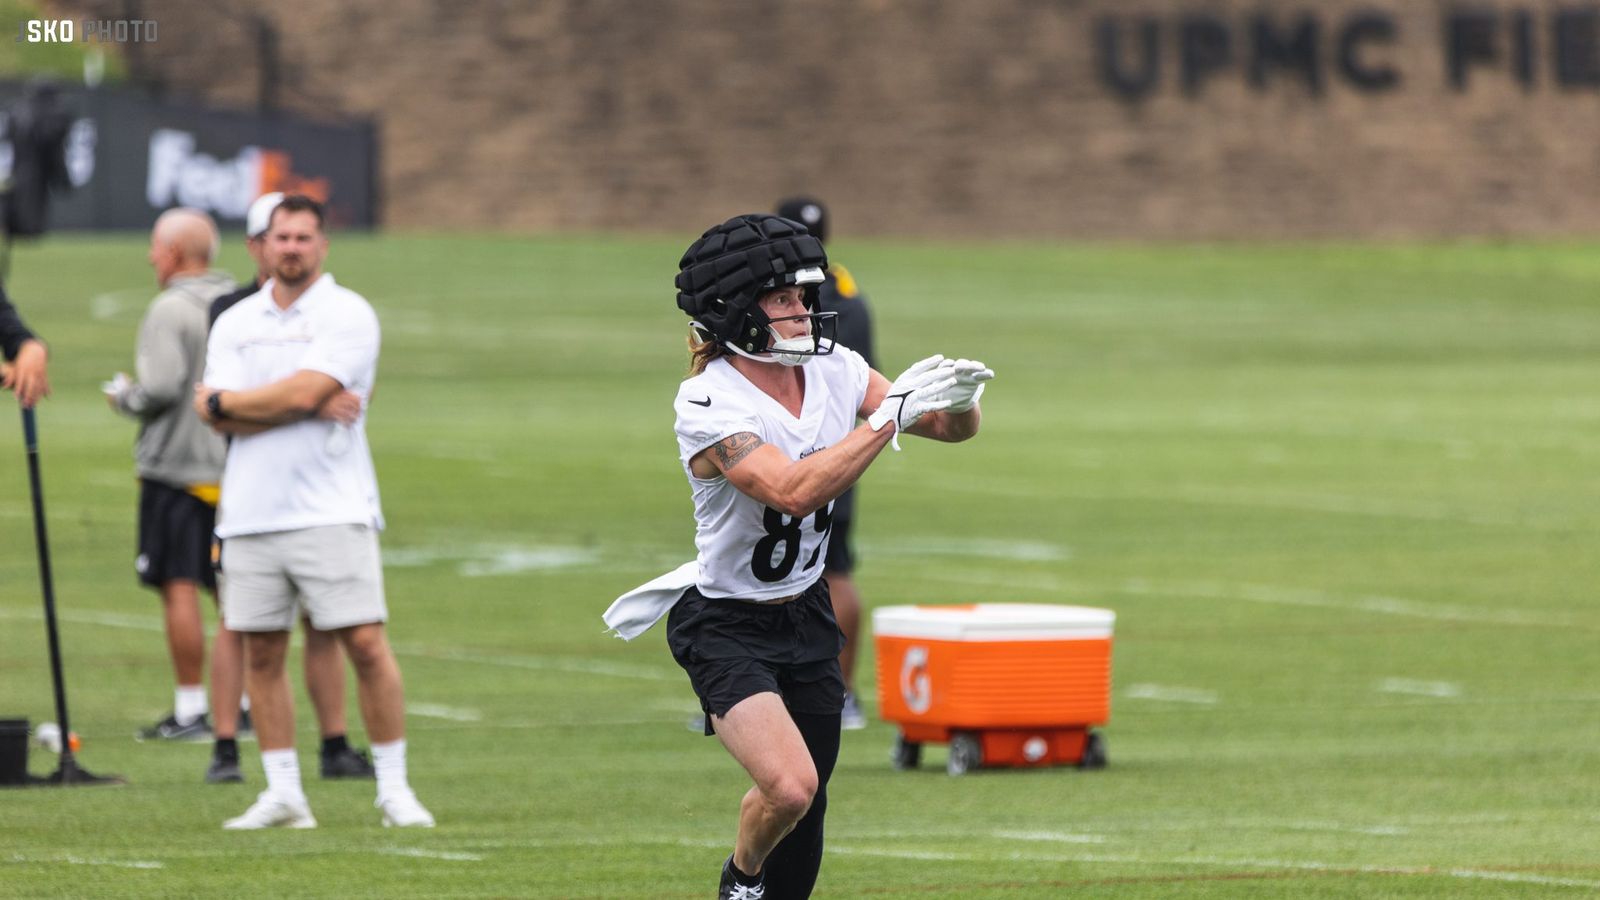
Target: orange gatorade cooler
<point>1005,684</point>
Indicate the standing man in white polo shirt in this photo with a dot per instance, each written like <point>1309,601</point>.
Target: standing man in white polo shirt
<point>300,516</point>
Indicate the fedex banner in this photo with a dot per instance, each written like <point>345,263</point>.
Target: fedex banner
<point>131,157</point>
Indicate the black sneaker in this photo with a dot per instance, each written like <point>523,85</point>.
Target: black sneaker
<point>224,771</point>
<point>731,889</point>
<point>347,763</point>
<point>168,729</point>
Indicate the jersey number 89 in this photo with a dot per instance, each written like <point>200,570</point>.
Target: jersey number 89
<point>771,564</point>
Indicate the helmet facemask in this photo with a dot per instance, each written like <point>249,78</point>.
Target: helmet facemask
<point>794,351</point>
<point>723,276</point>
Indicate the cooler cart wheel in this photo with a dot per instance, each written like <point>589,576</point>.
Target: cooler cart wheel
<point>905,754</point>
<point>1094,752</point>
<point>966,753</point>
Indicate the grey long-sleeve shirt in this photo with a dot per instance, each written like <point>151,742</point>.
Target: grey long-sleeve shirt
<point>175,447</point>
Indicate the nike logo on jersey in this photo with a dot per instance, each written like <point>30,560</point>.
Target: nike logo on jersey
<point>705,402</point>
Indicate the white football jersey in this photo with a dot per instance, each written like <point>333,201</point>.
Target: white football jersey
<point>746,549</point>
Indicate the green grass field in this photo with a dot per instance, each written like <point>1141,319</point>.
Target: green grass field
<point>1343,500</point>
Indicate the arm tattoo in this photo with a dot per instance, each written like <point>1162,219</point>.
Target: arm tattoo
<point>730,451</point>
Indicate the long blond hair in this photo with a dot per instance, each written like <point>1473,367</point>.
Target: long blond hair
<point>703,348</point>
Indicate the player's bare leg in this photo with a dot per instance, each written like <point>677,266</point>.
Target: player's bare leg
<point>283,803</point>
<point>762,737</point>
<point>227,681</point>
<point>382,697</point>
<point>267,681</point>
<point>324,669</point>
<point>186,645</point>
<point>227,692</point>
<point>378,683</point>
<point>186,638</point>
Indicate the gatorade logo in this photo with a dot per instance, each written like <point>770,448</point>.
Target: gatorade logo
<point>916,686</point>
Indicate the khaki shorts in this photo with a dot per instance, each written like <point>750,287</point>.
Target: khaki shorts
<point>334,573</point>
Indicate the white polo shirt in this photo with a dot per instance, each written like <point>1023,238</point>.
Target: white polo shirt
<point>314,472</point>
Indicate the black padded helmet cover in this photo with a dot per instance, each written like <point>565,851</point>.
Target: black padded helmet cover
<point>724,273</point>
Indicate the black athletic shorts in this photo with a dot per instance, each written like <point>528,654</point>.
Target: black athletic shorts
<point>174,536</point>
<point>840,558</point>
<point>733,649</point>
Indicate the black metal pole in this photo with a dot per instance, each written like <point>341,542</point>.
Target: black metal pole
<point>30,436</point>
<point>69,772</point>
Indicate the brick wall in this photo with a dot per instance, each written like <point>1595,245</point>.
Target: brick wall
<point>922,117</point>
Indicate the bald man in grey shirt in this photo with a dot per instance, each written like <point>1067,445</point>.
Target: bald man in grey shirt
<point>179,458</point>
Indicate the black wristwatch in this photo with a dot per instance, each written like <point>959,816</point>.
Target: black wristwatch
<point>214,406</point>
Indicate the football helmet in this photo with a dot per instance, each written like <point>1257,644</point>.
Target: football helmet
<point>724,274</point>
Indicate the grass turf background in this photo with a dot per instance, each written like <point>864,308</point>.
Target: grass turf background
<point>1342,499</point>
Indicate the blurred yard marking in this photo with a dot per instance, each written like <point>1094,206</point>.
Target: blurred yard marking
<point>540,663</point>
<point>616,722</point>
<point>1392,606</point>
<point>1419,688</point>
<point>431,854</point>
<point>89,861</point>
<point>109,304</point>
<point>537,663</point>
<point>1054,837</point>
<point>89,617</point>
<point>511,561</point>
<point>1207,495</point>
<point>845,847</point>
<point>940,546</point>
<point>435,711</point>
<point>1171,694</point>
<point>1247,863</point>
<point>480,560</point>
<point>1081,591</point>
<point>897,854</point>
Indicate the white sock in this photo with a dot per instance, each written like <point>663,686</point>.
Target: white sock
<point>283,774</point>
<point>390,762</point>
<point>244,703</point>
<point>189,703</point>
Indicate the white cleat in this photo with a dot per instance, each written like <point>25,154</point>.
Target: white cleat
<point>272,811</point>
<point>403,811</point>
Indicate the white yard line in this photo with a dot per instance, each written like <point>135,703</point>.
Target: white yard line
<point>540,663</point>
<point>1199,696</point>
<point>574,665</point>
<point>845,847</point>
<point>437,711</point>
<point>1017,585</point>
<point>1050,837</point>
<point>1322,504</point>
<point>431,854</point>
<point>1225,862</point>
<point>89,617</point>
<point>1383,605</point>
<point>615,722</point>
<point>71,860</point>
<point>944,547</point>
<point>1440,689</point>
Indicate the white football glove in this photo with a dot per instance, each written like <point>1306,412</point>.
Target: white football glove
<point>918,391</point>
<point>969,378</point>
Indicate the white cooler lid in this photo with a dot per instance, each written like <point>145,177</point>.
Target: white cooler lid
<point>994,622</point>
